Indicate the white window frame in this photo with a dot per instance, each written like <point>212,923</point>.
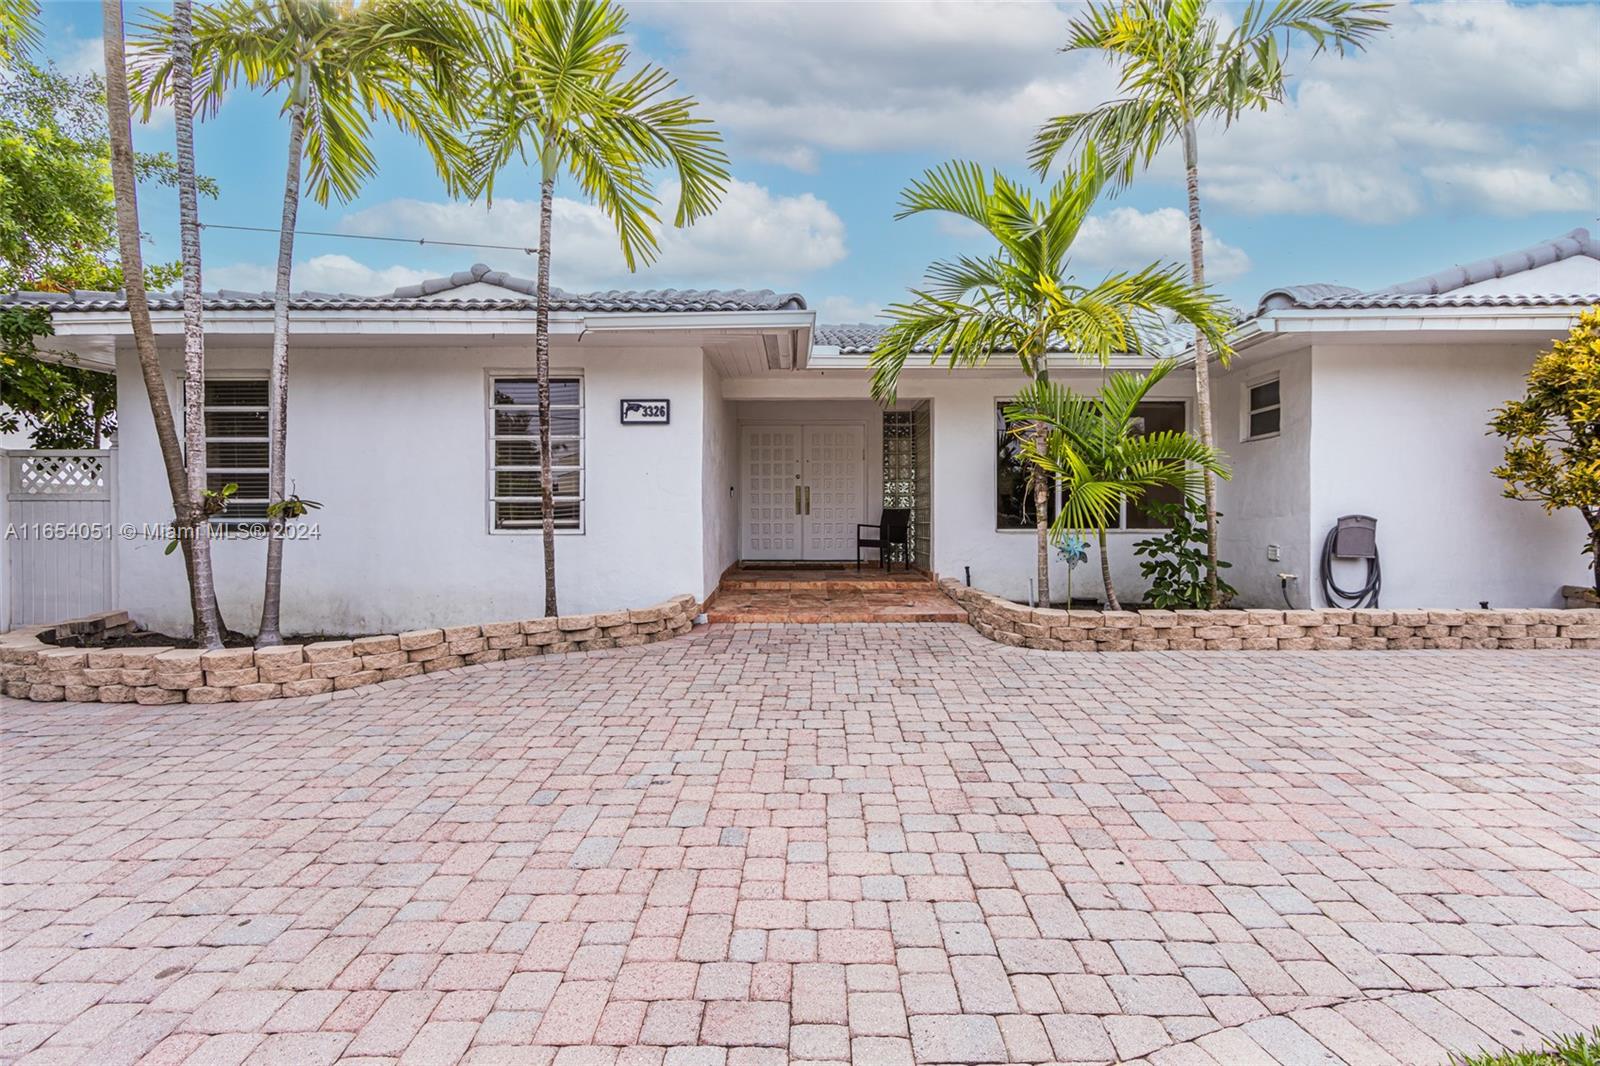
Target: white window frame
<point>1123,527</point>
<point>226,519</point>
<point>490,466</point>
<point>1248,412</point>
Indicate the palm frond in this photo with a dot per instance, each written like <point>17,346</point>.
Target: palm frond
<point>617,183</point>
<point>959,334</point>
<point>1177,66</point>
<point>665,131</point>
<point>959,188</point>
<point>557,91</point>
<point>1336,25</point>
<point>19,29</point>
<point>1092,446</point>
<point>1123,312</point>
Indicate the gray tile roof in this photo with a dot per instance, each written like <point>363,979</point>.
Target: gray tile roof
<point>1569,244</point>
<point>426,294</point>
<point>1402,301</point>
<point>861,338</point>
<point>1438,289</point>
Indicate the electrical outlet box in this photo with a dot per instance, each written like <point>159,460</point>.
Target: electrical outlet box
<point>1272,553</point>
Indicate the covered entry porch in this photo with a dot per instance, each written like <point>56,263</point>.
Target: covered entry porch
<point>807,460</point>
<point>811,473</point>
<point>826,592</point>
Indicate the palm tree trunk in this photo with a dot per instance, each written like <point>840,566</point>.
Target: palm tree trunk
<point>278,376</point>
<point>1041,500</point>
<point>1112,603</point>
<point>1202,355</point>
<point>541,344</point>
<point>208,626</point>
<point>125,195</point>
<point>1594,548</point>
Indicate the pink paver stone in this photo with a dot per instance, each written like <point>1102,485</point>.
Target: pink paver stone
<point>763,844</point>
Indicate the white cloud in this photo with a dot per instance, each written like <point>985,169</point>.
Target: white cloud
<point>785,80</point>
<point>1512,189</point>
<point>1452,91</point>
<point>754,238</point>
<point>80,55</point>
<point>846,310</point>
<point>1127,238</point>
<point>320,273</point>
<point>1461,106</point>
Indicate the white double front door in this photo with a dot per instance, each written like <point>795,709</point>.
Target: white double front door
<point>804,489</point>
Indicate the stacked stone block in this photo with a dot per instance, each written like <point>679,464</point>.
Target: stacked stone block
<point>1269,630</point>
<point>33,668</point>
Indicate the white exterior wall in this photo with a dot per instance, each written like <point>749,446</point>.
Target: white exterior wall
<point>720,488</point>
<point>394,442</point>
<point>1400,432</point>
<point>1267,498</point>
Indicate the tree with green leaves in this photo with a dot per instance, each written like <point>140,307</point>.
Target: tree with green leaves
<point>63,405</point>
<point>337,66</point>
<point>58,231</point>
<point>1023,299</point>
<point>58,224</point>
<point>1096,448</point>
<point>1180,68</point>
<point>1552,434</point>
<point>560,90</point>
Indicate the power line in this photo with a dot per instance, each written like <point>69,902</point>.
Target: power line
<point>367,237</point>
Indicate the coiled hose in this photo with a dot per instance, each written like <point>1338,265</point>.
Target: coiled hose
<point>1365,596</point>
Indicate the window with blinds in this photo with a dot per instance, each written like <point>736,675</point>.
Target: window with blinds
<point>514,498</point>
<point>236,445</point>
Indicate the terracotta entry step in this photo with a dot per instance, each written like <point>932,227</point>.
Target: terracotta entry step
<point>820,594</point>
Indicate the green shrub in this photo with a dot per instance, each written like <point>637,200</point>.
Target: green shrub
<point>1578,1049</point>
<point>1175,561</point>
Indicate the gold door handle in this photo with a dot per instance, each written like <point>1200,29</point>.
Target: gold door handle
<point>808,499</point>
<point>797,499</point>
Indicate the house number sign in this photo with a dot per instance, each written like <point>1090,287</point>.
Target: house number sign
<point>646,412</point>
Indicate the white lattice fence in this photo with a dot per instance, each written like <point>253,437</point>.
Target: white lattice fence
<point>60,541</point>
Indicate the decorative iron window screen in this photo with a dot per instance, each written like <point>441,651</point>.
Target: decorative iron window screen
<point>900,464</point>
<point>922,513</point>
<point>514,496</point>
<point>237,444</point>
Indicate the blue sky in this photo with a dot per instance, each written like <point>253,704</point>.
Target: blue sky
<point>1471,129</point>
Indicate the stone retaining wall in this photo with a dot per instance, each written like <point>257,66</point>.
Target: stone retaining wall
<point>1265,630</point>
<point>35,669</point>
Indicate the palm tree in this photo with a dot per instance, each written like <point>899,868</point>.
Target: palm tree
<point>19,28</point>
<point>188,514</point>
<point>1180,68</point>
<point>1022,298</point>
<point>338,65</point>
<point>558,90</point>
<point>1096,448</point>
<point>209,630</point>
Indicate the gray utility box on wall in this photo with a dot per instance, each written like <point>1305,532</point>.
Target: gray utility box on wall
<point>1356,537</point>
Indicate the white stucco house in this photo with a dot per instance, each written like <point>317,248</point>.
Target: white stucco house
<point>1377,403</point>
<point>696,429</point>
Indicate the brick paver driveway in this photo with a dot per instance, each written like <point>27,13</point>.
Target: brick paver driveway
<point>818,843</point>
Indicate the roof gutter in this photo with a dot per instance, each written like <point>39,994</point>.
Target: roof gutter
<point>1325,320</point>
